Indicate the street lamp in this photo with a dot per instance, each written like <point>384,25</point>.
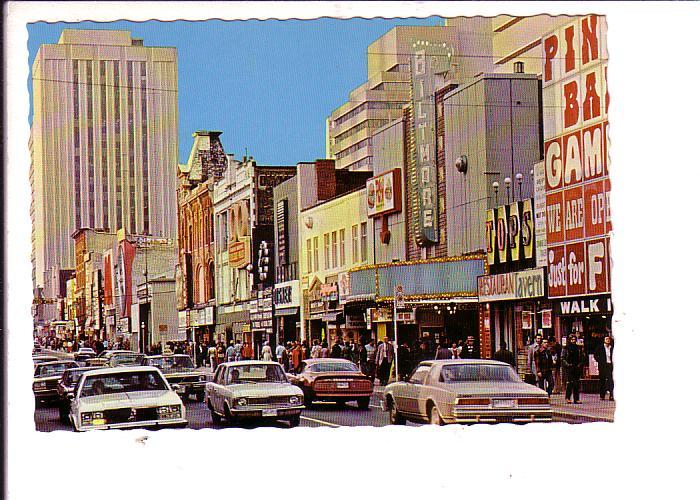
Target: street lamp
<point>507,181</point>
<point>495,186</point>
<point>519,178</point>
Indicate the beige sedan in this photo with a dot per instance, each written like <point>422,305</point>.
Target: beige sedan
<point>465,391</point>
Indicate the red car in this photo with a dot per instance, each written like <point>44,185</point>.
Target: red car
<point>331,379</point>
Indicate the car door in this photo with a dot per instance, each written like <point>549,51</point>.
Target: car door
<point>412,390</point>
<point>214,396</point>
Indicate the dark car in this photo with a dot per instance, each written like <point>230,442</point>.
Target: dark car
<point>66,389</point>
<point>46,378</point>
<point>178,369</point>
<point>331,379</point>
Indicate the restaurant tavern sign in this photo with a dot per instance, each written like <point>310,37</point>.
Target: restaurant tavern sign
<point>511,286</point>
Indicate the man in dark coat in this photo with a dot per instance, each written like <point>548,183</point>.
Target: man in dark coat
<point>544,365</point>
<point>469,351</point>
<point>604,357</point>
<point>337,349</point>
<point>572,361</point>
<point>504,355</point>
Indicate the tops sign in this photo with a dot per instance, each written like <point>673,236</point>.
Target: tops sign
<point>510,233</point>
<point>384,193</point>
<point>428,60</point>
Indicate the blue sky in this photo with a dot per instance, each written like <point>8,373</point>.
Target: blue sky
<point>268,85</point>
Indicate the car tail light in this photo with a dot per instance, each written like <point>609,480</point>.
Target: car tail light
<point>474,401</point>
<point>324,385</point>
<point>532,401</point>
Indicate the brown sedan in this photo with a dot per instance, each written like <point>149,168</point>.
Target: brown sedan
<point>331,379</point>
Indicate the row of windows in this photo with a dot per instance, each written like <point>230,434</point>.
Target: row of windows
<point>364,107</point>
<point>373,124</point>
<point>334,249</point>
<point>355,147</point>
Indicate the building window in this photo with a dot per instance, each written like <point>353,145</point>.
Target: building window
<point>316,253</point>
<point>341,243</point>
<point>355,245</point>
<point>327,250</point>
<point>363,241</point>
<point>334,249</point>
<point>309,266</point>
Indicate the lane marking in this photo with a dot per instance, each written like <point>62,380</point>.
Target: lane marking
<point>323,422</point>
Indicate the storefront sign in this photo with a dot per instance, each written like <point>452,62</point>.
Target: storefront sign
<point>379,315</point>
<point>540,210</point>
<point>343,287</point>
<point>576,158</point>
<point>586,305</point>
<point>510,232</point>
<point>282,232</point>
<point>546,319</point>
<point>286,294</point>
<point>407,317</point>
<point>427,61</point>
<point>329,292</point>
<point>512,286</point>
<point>384,193</point>
<point>239,253</point>
<point>355,321</point>
<point>527,320</point>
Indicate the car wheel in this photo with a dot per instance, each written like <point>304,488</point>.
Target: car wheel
<point>63,414</point>
<point>227,415</point>
<point>434,413</point>
<point>363,403</point>
<point>308,400</point>
<point>394,416</point>
<point>294,421</point>
<point>215,417</point>
<point>200,397</point>
<point>340,403</point>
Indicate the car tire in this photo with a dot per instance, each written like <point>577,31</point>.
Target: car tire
<point>215,417</point>
<point>340,404</point>
<point>63,414</point>
<point>308,400</point>
<point>434,415</point>
<point>200,397</point>
<point>230,419</point>
<point>395,417</point>
<point>363,403</point>
<point>294,421</point>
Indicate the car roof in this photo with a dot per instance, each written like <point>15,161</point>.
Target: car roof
<point>59,362</point>
<point>249,362</point>
<point>82,368</point>
<point>122,369</point>
<point>326,360</point>
<point>167,356</point>
<point>443,362</point>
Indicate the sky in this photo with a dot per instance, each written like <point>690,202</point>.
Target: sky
<point>267,85</point>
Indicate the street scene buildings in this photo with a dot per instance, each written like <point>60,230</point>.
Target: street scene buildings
<point>461,211</point>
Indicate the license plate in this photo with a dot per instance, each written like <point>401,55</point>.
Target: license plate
<point>269,413</point>
<point>342,385</point>
<point>99,421</point>
<point>503,403</point>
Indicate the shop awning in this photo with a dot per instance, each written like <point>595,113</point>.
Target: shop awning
<point>334,317</point>
<point>287,311</point>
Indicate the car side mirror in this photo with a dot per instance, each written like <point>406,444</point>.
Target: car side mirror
<point>175,387</point>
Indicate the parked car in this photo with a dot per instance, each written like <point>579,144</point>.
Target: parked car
<point>331,379</point>
<point>179,369</point>
<point>251,390</point>
<point>43,358</point>
<point>465,391</point>
<point>46,377</point>
<point>125,397</point>
<point>84,353</point>
<point>126,358</point>
<point>105,357</point>
<point>66,388</point>
<point>37,348</point>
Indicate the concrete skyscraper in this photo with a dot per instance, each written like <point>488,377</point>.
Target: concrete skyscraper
<point>103,143</point>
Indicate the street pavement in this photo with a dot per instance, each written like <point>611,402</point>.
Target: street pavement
<point>592,409</point>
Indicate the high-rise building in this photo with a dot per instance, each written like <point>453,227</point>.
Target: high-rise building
<point>387,90</point>
<point>103,142</point>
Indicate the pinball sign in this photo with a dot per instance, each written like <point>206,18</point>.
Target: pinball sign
<point>384,193</point>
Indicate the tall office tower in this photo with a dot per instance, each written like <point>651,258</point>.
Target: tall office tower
<point>387,90</point>
<point>103,143</point>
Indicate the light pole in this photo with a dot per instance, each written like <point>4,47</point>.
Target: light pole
<point>495,186</point>
<point>507,181</point>
<point>519,178</point>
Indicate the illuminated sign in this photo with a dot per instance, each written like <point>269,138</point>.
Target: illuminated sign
<point>510,232</point>
<point>511,286</point>
<point>239,253</point>
<point>429,62</point>
<point>384,193</point>
<point>576,181</point>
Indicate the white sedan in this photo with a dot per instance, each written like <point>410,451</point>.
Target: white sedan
<point>125,397</point>
<point>253,390</point>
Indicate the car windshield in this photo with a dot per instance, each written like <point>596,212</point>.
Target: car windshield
<point>126,359</point>
<point>477,373</point>
<point>52,370</point>
<point>333,367</point>
<point>171,363</point>
<point>114,383</point>
<point>71,376</point>
<point>243,374</point>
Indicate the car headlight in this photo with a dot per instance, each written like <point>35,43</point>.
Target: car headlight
<point>294,400</point>
<point>86,418</point>
<point>202,378</point>
<point>39,385</point>
<point>241,402</point>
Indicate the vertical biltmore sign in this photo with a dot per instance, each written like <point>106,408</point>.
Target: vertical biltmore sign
<point>429,64</point>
